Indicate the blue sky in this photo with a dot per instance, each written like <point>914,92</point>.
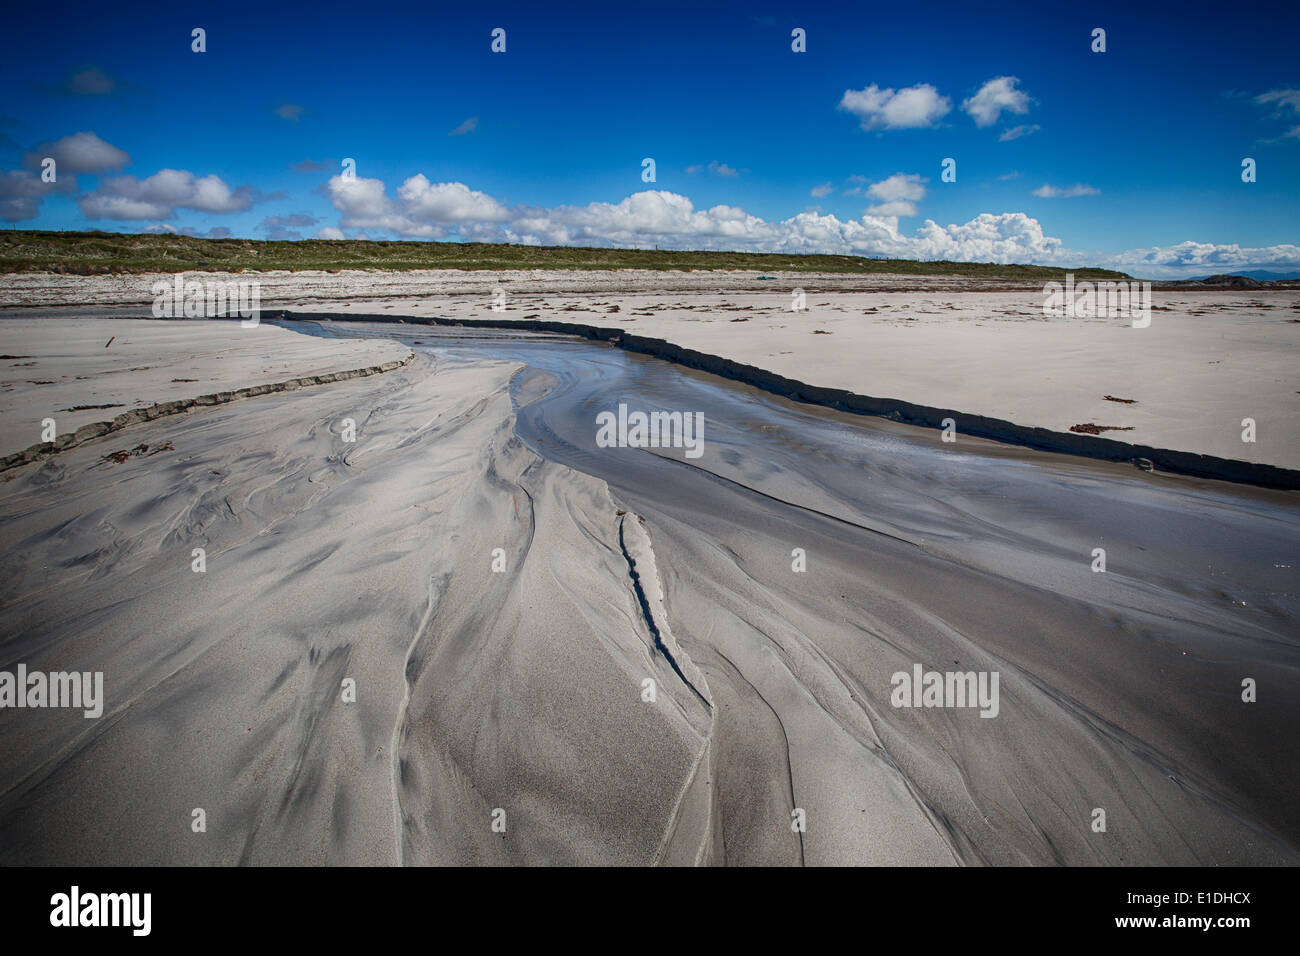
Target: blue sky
<point>1130,158</point>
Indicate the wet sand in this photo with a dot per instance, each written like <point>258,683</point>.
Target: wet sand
<point>522,690</point>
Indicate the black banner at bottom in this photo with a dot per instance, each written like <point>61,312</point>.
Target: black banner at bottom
<point>334,906</point>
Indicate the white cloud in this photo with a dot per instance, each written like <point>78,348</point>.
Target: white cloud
<point>1046,191</point>
<point>80,153</point>
<point>211,194</point>
<point>825,189</point>
<point>898,186</point>
<point>652,216</point>
<point>995,96</point>
<point>158,196</point>
<point>1016,132</point>
<point>1005,237</point>
<point>364,205</point>
<point>446,203</point>
<point>329,232</point>
<point>894,208</point>
<point>897,195</point>
<point>468,126</point>
<point>290,111</point>
<point>426,210</point>
<point>910,108</point>
<point>1189,258</point>
<point>670,220</point>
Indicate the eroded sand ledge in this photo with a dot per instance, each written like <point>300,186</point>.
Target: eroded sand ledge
<point>982,426</point>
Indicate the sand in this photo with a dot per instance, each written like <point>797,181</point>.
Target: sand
<point>1209,359</point>
<point>347,286</point>
<point>81,371</point>
<point>518,697</point>
<point>327,561</point>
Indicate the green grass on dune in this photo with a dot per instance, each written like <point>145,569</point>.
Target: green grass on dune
<point>104,253</point>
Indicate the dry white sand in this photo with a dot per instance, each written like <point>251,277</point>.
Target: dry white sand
<point>39,288</point>
<point>1208,360</point>
<point>58,369</point>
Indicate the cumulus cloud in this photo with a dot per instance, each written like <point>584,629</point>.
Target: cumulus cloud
<point>79,153</point>
<point>1205,258</point>
<point>1047,191</point>
<point>447,203</point>
<point>897,207</point>
<point>289,111</point>
<point>363,204</point>
<point>426,210</point>
<point>995,96</point>
<point>824,189</point>
<point>1016,132</point>
<point>670,220</point>
<point>910,108</point>
<point>897,195</point>
<point>158,196</point>
<point>466,127</point>
<point>651,216</point>
<point>329,232</point>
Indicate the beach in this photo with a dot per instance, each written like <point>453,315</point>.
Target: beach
<point>466,631</point>
<point>325,562</point>
<point>1208,359</point>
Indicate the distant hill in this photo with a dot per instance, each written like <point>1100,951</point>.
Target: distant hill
<point>1260,275</point>
<point>103,253</point>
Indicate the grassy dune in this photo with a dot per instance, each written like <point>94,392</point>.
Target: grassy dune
<point>99,253</point>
